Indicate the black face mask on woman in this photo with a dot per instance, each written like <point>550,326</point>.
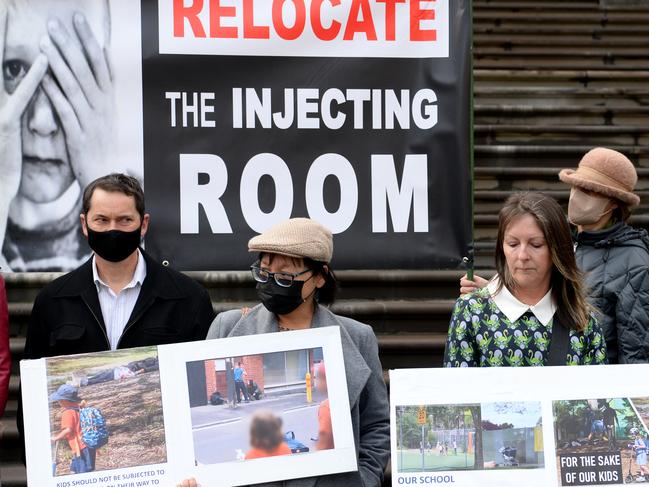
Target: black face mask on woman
<point>114,245</point>
<point>280,300</point>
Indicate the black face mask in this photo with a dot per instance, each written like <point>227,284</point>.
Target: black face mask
<point>280,300</point>
<point>114,245</point>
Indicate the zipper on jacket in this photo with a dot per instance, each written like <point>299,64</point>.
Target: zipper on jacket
<point>98,322</point>
<point>132,322</point>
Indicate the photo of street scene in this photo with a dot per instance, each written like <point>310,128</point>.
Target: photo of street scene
<point>257,406</point>
<point>469,436</point>
<point>609,430</point>
<point>105,411</point>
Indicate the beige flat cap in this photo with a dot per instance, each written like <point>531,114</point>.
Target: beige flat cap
<point>297,237</point>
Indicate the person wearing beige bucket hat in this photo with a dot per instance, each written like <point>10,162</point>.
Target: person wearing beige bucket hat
<point>603,182</point>
<point>294,281</point>
<point>614,255</point>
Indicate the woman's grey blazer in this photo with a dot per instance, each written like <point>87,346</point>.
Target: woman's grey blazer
<point>368,397</point>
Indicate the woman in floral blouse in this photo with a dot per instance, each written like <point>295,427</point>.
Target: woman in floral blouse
<point>509,322</point>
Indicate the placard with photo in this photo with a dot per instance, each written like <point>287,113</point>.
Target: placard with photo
<point>508,426</point>
<point>213,409</point>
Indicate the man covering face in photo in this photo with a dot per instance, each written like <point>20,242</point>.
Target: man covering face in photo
<point>57,129</point>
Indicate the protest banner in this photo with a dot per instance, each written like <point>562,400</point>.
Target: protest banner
<point>534,426</point>
<point>241,113</point>
<point>162,414</point>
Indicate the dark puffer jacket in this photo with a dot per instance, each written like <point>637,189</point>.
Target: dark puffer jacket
<point>616,262</point>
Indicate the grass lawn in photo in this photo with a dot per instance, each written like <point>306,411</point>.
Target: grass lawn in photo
<point>410,461</point>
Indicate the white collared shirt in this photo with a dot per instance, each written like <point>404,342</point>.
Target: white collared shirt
<point>513,309</point>
<point>117,308</point>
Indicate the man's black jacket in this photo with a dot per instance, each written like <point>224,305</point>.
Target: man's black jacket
<point>67,319</point>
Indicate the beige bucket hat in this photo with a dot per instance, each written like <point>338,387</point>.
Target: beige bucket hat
<point>607,172</point>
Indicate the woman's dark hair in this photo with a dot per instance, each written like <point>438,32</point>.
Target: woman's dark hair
<point>265,430</point>
<point>566,280</point>
<point>622,212</point>
<point>327,293</point>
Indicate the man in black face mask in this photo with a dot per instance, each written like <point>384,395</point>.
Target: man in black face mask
<point>121,297</point>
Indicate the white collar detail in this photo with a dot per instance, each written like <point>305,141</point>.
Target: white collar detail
<point>513,309</point>
<point>138,275</point>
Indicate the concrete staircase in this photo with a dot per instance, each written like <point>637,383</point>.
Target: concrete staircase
<point>551,80</point>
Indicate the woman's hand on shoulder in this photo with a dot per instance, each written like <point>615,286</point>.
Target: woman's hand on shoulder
<point>468,286</point>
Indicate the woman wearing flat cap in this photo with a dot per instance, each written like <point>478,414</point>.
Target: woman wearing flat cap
<point>294,280</point>
<point>613,255</point>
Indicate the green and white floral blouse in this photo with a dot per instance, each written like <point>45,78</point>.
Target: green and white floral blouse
<point>481,335</point>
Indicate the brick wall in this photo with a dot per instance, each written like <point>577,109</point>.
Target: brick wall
<point>254,365</point>
<point>210,379</point>
<point>217,381</point>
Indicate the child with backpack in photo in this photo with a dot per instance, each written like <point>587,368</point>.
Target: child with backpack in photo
<point>84,428</point>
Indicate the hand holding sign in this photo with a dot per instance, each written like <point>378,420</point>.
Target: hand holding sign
<point>190,482</point>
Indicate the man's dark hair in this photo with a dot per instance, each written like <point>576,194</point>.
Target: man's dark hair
<point>116,183</point>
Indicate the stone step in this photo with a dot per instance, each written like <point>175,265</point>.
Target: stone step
<point>561,50</point>
<point>230,289</point>
<point>568,94</point>
<point>383,313</point>
<point>566,79</point>
<point>562,114</point>
<point>592,135</point>
<point>517,172</point>
<point>13,474</point>
<point>492,180</point>
<point>606,63</point>
<point>531,91</point>
<point>549,155</point>
<point>513,110</point>
<point>559,128</point>
<point>565,18</point>
<point>560,40</point>
<point>575,7</point>
<point>491,220</point>
<point>550,29</point>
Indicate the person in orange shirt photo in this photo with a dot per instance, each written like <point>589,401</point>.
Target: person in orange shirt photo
<point>83,459</point>
<point>266,438</point>
<point>325,432</point>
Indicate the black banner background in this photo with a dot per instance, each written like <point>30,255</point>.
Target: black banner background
<point>447,146</point>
